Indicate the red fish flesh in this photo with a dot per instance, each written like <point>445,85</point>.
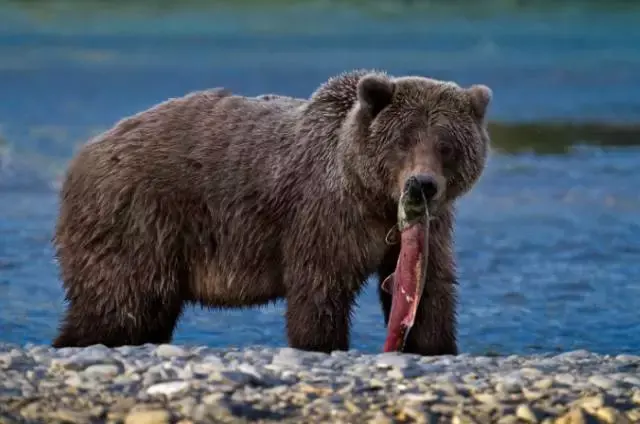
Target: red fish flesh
<point>406,284</point>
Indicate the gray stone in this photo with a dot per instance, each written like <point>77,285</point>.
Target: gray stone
<point>6,360</point>
<point>36,374</point>
<point>395,360</point>
<point>82,360</point>
<point>103,370</point>
<point>602,382</point>
<point>289,357</point>
<point>530,372</point>
<point>483,361</point>
<point>126,350</point>
<point>169,388</point>
<point>209,365</point>
<point>250,370</point>
<point>75,380</point>
<point>185,373</point>
<point>432,368</point>
<point>424,397</point>
<point>628,358</point>
<point>566,379</point>
<point>574,355</point>
<point>509,385</point>
<point>151,378</point>
<point>237,377</point>
<point>170,351</point>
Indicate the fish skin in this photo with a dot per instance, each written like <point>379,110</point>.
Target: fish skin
<point>405,285</point>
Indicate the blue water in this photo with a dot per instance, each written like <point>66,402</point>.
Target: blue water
<point>547,245</point>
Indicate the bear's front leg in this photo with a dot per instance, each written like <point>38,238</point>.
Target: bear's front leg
<point>433,332</point>
<point>318,315</point>
<point>386,268</point>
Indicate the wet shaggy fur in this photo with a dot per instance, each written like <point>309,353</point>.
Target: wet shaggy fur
<point>228,201</point>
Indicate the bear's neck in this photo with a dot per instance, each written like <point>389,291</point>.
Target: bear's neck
<point>327,156</point>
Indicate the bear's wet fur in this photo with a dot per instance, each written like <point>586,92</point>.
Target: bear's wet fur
<point>229,201</point>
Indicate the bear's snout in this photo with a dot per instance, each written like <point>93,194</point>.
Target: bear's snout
<point>421,185</point>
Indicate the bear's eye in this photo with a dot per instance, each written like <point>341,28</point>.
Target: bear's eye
<point>446,151</point>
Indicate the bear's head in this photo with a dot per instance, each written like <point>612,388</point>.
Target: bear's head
<point>414,131</point>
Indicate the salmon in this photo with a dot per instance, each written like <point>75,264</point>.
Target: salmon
<point>406,283</point>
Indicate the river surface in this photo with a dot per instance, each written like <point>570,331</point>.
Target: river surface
<point>547,244</point>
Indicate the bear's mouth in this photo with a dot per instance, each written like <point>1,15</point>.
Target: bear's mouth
<point>419,194</point>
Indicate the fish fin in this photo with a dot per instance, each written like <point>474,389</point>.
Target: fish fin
<point>388,283</point>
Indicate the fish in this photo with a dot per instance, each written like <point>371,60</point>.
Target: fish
<point>406,283</point>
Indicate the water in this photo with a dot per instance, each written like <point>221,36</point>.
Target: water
<point>547,244</point>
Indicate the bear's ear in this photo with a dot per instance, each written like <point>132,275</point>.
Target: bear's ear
<point>375,93</point>
<point>480,98</point>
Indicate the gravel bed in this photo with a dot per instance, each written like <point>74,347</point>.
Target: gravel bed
<point>169,383</point>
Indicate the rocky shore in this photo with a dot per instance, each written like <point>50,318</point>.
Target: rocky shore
<point>168,384</point>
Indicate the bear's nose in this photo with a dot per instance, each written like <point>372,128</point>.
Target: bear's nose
<point>422,185</point>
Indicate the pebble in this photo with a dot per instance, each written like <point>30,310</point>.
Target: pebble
<point>528,414</point>
<point>591,403</point>
<point>169,388</point>
<point>293,357</point>
<point>69,416</point>
<point>566,379</point>
<point>381,418</point>
<point>236,377</point>
<point>169,383</point>
<point>576,416</point>
<point>602,382</point>
<point>487,399</point>
<point>148,417</point>
<point>171,351</point>
<point>103,370</point>
<point>633,380</point>
<point>392,360</point>
<point>531,372</point>
<point>634,415</point>
<point>543,383</point>
<point>628,358</point>
<point>507,419</point>
<point>532,394</point>
<point>611,416</point>
<point>574,355</point>
<point>509,385</point>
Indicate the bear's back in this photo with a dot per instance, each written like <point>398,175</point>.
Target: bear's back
<point>183,139</point>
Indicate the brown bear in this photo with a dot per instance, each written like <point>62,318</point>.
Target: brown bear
<point>229,201</point>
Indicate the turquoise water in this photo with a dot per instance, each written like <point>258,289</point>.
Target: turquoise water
<point>547,244</point>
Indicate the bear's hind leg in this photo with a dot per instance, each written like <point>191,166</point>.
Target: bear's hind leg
<point>116,302</point>
<point>153,322</point>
